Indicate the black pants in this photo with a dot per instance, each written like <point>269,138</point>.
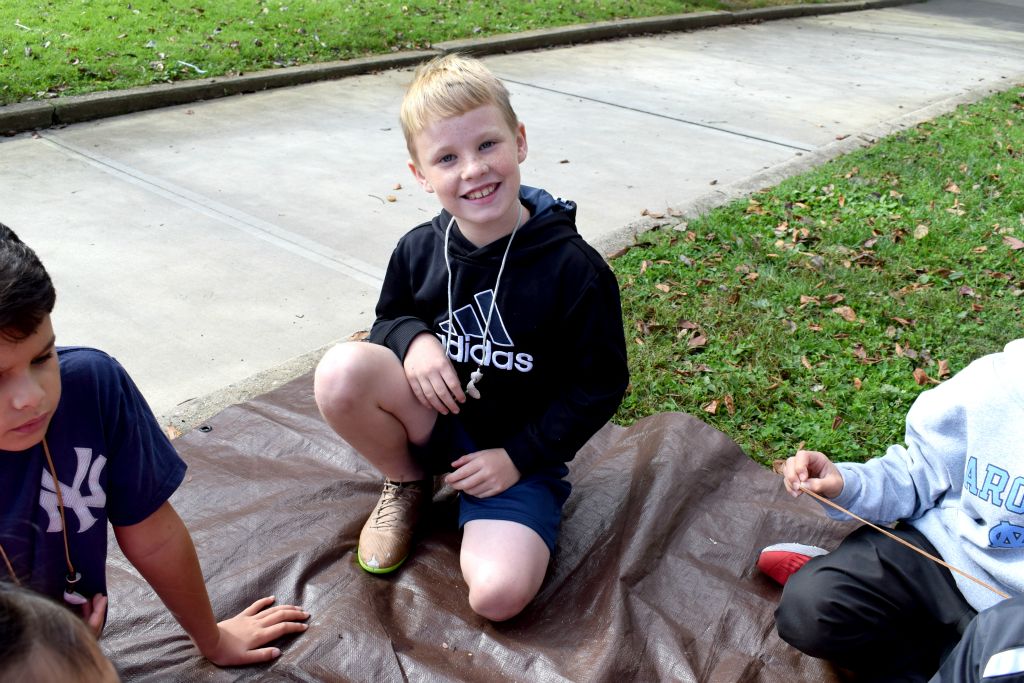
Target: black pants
<point>875,607</point>
<point>994,642</point>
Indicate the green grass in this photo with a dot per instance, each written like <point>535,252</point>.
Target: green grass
<point>65,47</point>
<point>738,317</point>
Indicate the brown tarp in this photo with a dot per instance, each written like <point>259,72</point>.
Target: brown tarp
<point>653,578</point>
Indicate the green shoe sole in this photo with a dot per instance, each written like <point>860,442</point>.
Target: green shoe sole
<point>377,570</point>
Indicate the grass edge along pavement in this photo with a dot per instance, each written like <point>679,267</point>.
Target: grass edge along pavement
<point>815,311</point>
<point>39,114</point>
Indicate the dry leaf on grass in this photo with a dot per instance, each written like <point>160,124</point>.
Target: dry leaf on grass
<point>698,342</point>
<point>846,313</point>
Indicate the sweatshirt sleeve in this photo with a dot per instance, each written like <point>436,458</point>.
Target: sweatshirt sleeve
<point>595,375</point>
<point>394,327</point>
<point>909,480</point>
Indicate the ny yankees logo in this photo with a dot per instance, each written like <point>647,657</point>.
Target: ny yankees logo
<point>73,498</point>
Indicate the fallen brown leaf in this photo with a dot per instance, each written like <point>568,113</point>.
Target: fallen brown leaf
<point>846,313</point>
<point>730,407</point>
<point>712,407</point>
<point>943,368</point>
<point>922,378</point>
<point>663,287</point>
<point>804,362</point>
<point>1013,242</point>
<point>698,342</point>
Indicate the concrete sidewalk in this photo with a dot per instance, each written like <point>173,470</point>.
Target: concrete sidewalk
<point>216,248</point>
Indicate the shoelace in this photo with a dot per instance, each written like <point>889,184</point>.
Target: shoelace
<point>393,503</point>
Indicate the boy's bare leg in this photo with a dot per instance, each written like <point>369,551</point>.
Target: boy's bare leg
<point>363,394</point>
<point>504,564</point>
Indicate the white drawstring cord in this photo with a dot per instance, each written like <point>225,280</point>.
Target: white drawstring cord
<point>477,374</point>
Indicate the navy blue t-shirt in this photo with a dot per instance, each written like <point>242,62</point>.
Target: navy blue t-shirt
<point>114,464</point>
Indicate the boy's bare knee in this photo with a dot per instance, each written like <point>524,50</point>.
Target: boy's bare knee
<point>335,382</point>
<point>498,598</point>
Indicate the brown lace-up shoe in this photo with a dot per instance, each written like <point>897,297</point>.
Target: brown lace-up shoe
<point>387,535</point>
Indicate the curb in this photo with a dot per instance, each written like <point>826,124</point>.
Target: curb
<point>614,244</point>
<point>35,115</point>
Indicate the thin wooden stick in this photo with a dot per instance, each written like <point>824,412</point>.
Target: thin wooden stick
<point>896,538</point>
<point>10,568</point>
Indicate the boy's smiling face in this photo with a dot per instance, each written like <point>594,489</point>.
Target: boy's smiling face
<point>29,387</point>
<point>471,162</point>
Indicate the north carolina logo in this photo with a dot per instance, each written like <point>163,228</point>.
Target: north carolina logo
<point>1006,535</point>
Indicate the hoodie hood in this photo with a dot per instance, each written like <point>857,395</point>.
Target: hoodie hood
<point>551,221</point>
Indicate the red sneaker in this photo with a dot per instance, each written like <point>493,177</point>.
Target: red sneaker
<point>782,560</point>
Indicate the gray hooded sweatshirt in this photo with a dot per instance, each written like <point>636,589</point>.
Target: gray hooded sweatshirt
<point>960,478</point>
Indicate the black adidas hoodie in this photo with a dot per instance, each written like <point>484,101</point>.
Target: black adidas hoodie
<point>554,365</point>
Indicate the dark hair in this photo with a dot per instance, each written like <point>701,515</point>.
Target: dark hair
<point>26,291</point>
<point>40,638</point>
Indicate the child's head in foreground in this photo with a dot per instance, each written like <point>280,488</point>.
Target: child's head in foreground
<point>29,373</point>
<point>465,143</point>
<point>42,641</point>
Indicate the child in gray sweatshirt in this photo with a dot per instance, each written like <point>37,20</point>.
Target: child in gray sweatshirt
<point>956,490</point>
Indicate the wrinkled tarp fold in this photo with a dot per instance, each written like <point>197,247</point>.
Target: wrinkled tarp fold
<point>653,578</point>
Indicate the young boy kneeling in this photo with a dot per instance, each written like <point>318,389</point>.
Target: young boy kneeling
<point>498,294</point>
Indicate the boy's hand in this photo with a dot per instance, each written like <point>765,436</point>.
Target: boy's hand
<point>814,471</point>
<point>431,376</point>
<point>242,636</point>
<point>484,473</point>
<point>94,613</point>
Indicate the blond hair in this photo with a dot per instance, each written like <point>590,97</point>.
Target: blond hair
<point>447,86</point>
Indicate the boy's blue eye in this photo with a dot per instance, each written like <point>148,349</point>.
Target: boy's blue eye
<point>446,159</point>
<point>485,145</point>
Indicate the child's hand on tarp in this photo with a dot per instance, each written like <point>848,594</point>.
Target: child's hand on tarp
<point>243,636</point>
